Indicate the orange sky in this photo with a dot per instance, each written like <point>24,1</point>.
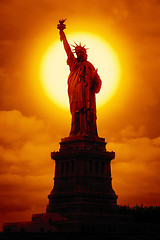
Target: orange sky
<point>31,126</point>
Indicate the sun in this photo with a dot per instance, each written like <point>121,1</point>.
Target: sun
<point>54,70</point>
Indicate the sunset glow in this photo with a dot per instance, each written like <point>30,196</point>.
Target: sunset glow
<point>123,38</point>
<point>54,70</point>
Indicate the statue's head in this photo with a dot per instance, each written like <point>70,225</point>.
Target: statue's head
<point>81,52</point>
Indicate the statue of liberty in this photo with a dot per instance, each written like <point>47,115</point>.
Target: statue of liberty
<point>83,83</point>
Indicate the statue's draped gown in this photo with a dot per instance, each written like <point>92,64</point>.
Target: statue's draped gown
<point>83,83</point>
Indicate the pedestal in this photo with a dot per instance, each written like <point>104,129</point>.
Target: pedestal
<point>82,185</point>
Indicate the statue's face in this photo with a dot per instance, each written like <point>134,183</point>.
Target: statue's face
<point>80,55</point>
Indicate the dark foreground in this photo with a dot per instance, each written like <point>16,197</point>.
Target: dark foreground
<point>66,236</point>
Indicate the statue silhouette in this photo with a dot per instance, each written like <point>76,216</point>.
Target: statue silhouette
<point>83,83</point>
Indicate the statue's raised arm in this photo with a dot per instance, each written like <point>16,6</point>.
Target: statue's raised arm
<point>61,26</point>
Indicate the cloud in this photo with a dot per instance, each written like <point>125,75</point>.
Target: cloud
<point>25,145</point>
<point>136,167</point>
<point>26,168</point>
<point>131,132</point>
<point>25,141</point>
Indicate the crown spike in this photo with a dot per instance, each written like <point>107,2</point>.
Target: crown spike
<point>75,43</point>
<point>76,46</point>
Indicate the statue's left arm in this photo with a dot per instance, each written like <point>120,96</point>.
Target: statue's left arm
<point>97,82</point>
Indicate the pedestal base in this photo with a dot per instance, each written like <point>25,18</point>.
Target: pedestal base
<point>82,184</point>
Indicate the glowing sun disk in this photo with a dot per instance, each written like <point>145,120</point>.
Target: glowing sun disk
<point>54,70</point>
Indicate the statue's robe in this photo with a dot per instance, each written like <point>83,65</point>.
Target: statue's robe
<point>83,83</point>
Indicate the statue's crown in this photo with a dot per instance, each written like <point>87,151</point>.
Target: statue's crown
<point>79,47</point>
